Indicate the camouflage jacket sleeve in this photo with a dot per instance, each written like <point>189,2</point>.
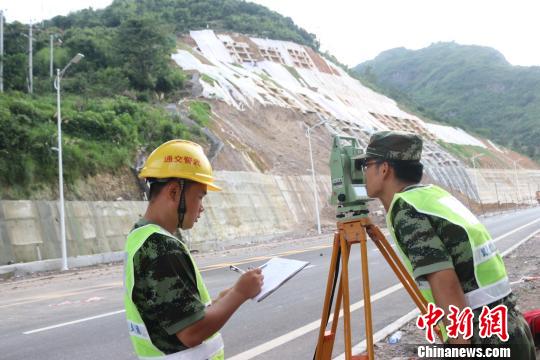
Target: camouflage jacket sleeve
<point>419,241</point>
<point>165,290</point>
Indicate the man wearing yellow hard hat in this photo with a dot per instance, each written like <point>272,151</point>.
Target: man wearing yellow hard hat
<point>169,311</point>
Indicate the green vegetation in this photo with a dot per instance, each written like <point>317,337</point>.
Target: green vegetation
<point>131,59</point>
<point>125,74</point>
<point>200,112</point>
<point>294,72</point>
<point>208,79</point>
<point>99,135</point>
<point>471,87</point>
<point>127,45</point>
<point>266,78</point>
<point>466,152</point>
<point>185,15</point>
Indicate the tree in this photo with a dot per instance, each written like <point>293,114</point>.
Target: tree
<point>142,48</point>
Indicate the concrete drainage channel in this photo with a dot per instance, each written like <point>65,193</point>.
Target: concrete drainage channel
<point>9,271</point>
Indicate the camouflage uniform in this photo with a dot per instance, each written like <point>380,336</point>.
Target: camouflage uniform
<point>393,145</point>
<point>165,290</point>
<point>433,244</point>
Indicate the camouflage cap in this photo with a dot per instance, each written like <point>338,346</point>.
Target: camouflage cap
<point>394,145</point>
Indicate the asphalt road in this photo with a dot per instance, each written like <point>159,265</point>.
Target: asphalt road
<point>79,314</point>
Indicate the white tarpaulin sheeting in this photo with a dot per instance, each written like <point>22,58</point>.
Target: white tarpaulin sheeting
<point>453,135</point>
<point>272,83</point>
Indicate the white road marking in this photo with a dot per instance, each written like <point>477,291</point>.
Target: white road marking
<point>515,230</point>
<point>361,347</point>
<point>253,352</point>
<point>507,251</point>
<point>73,322</point>
<point>381,334</point>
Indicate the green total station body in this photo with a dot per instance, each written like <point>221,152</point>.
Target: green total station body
<point>348,188</point>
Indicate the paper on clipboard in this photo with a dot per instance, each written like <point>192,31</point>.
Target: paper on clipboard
<point>278,271</point>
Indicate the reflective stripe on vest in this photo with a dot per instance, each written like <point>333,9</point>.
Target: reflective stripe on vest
<point>489,270</point>
<point>211,348</point>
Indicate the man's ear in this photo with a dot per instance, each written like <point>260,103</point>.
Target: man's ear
<point>385,169</point>
<point>173,190</point>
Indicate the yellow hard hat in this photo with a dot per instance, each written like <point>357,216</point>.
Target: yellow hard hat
<point>179,159</point>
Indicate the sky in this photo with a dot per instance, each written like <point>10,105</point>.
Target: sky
<point>355,31</point>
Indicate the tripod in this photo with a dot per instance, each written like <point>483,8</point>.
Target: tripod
<point>349,233</point>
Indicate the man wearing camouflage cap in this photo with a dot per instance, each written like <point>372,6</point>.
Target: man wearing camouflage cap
<point>443,245</point>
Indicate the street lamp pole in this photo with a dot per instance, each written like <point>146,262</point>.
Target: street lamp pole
<point>51,52</point>
<point>59,75</point>
<point>475,174</point>
<point>51,56</point>
<point>316,196</point>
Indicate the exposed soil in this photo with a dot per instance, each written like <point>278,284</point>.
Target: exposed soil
<point>122,185</point>
<point>269,139</point>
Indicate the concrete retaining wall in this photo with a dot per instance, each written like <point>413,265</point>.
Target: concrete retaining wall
<point>517,186</point>
<point>253,207</point>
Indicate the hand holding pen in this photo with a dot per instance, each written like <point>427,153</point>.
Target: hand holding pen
<point>240,271</point>
<point>250,282</point>
<point>236,269</point>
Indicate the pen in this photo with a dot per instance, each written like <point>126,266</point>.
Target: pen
<point>237,269</point>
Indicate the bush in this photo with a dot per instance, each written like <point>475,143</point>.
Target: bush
<point>200,112</point>
<point>99,135</point>
<point>172,80</point>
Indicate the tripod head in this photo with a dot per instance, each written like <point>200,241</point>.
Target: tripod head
<point>348,189</point>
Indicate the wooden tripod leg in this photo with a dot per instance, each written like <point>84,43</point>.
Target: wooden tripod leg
<point>325,342</point>
<point>330,336</point>
<point>367,297</point>
<point>339,298</point>
<point>345,249</point>
<point>397,266</point>
<point>400,270</point>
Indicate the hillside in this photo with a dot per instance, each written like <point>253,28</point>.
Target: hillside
<point>246,98</point>
<point>113,100</point>
<point>471,87</point>
<point>185,15</point>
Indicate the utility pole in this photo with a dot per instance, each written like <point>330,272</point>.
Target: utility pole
<point>1,51</point>
<point>316,196</point>
<point>30,67</point>
<point>59,75</point>
<point>476,175</point>
<point>52,57</point>
<point>516,177</point>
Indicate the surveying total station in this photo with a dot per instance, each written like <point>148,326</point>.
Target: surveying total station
<point>348,188</point>
<point>350,196</point>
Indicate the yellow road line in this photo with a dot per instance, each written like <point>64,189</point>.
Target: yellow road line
<point>259,258</point>
<point>63,294</point>
<point>120,284</point>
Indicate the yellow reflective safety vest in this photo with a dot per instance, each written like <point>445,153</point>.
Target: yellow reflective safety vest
<point>212,348</point>
<point>489,269</point>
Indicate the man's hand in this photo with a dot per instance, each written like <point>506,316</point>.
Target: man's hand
<point>249,284</point>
